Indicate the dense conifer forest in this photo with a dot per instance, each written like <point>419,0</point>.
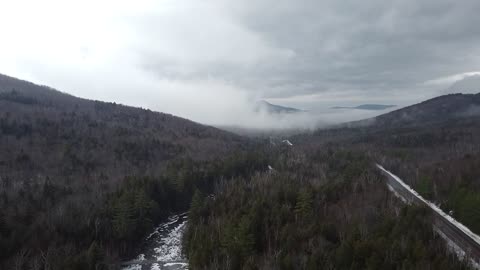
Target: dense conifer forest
<point>81,181</point>
<point>327,209</point>
<point>325,206</point>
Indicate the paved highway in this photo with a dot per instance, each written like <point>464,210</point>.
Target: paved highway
<point>450,229</point>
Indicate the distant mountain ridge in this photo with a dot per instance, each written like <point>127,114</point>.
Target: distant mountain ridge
<point>264,106</point>
<point>370,107</point>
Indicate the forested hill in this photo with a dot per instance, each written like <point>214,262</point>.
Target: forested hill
<point>46,129</point>
<point>324,205</point>
<point>78,175</point>
<point>434,121</point>
<point>434,110</point>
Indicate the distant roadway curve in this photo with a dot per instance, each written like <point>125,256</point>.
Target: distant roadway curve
<point>459,237</point>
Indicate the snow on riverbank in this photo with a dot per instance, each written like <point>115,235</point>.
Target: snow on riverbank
<point>170,248</point>
<point>163,247</point>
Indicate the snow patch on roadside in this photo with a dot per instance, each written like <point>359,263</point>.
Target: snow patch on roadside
<point>397,195</point>
<point>461,254</point>
<point>457,224</point>
<point>453,247</point>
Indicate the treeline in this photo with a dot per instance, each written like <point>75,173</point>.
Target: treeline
<point>332,212</point>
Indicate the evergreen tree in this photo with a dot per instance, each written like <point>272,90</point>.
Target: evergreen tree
<point>245,238</point>
<point>425,187</point>
<point>470,211</point>
<point>123,218</point>
<point>3,225</point>
<point>94,256</point>
<point>142,208</point>
<point>304,205</point>
<point>196,205</point>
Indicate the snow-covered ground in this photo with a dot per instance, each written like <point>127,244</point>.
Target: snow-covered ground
<point>396,194</point>
<point>457,224</point>
<point>163,247</point>
<point>287,142</point>
<point>453,247</point>
<point>460,253</point>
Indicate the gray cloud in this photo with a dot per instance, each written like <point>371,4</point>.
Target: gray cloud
<point>319,46</point>
<point>372,44</point>
<point>172,55</point>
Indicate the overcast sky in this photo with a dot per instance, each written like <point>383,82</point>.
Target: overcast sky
<point>207,60</point>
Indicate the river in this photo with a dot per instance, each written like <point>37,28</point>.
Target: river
<point>162,249</point>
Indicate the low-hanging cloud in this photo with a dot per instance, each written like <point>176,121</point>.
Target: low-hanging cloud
<point>211,60</point>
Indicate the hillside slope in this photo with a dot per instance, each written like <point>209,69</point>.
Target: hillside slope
<point>46,132</point>
<point>80,176</point>
<point>434,146</point>
<point>434,110</point>
<point>324,205</point>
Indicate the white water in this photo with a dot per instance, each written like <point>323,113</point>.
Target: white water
<point>163,247</point>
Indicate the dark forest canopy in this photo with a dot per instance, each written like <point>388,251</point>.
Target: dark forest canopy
<point>326,207</point>
<point>82,180</point>
<point>78,175</point>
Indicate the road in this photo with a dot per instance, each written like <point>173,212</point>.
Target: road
<point>458,236</point>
